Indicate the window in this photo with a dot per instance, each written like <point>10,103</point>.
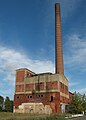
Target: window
<point>51,98</point>
<point>61,85</point>
<point>18,97</point>
<point>28,75</point>
<point>41,95</point>
<point>30,96</point>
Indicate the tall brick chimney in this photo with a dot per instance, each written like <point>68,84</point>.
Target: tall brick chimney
<point>59,67</point>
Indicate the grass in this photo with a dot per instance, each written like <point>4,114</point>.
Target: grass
<point>17,116</point>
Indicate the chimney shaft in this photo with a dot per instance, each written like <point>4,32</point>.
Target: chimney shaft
<point>59,67</point>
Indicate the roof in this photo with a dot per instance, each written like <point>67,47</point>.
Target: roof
<point>25,69</point>
<point>47,73</point>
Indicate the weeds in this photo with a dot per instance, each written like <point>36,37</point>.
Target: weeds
<point>16,116</point>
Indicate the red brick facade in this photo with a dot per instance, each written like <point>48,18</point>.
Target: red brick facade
<point>20,76</point>
<point>59,67</point>
<point>49,91</point>
<point>52,99</point>
<point>71,96</point>
<point>20,88</point>
<point>63,88</point>
<point>29,87</point>
<point>22,73</point>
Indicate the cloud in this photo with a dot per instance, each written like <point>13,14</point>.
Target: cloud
<point>10,60</point>
<point>72,84</point>
<point>75,51</point>
<point>13,59</point>
<point>82,90</point>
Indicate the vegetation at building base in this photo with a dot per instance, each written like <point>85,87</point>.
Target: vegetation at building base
<point>78,105</point>
<point>1,102</point>
<point>17,116</point>
<point>6,104</point>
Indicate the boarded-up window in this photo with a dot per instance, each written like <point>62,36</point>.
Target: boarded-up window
<point>19,88</point>
<point>51,85</point>
<point>29,87</point>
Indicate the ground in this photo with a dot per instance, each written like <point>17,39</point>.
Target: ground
<point>16,116</point>
<point>12,116</point>
<point>80,118</point>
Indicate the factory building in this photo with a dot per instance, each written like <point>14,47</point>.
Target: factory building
<point>44,92</point>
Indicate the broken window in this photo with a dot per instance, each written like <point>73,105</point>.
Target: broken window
<point>41,95</point>
<point>17,96</point>
<point>30,96</point>
<point>51,98</point>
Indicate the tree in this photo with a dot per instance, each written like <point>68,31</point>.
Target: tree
<point>79,104</point>
<point>1,103</point>
<point>8,105</point>
<point>84,102</point>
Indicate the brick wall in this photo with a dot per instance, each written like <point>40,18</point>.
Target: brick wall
<point>20,88</point>
<point>63,88</point>
<point>51,85</point>
<point>20,76</point>
<point>64,100</point>
<point>39,86</point>
<point>22,73</point>
<point>52,99</point>
<point>45,89</point>
<point>71,96</point>
<point>29,87</point>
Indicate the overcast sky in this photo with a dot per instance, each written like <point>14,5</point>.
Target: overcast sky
<point>27,39</point>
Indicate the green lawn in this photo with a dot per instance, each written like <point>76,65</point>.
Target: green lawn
<point>12,116</point>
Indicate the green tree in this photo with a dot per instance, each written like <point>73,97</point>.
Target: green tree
<point>79,104</point>
<point>1,103</point>
<point>84,102</point>
<point>8,104</point>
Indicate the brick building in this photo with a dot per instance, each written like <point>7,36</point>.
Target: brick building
<point>44,92</point>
